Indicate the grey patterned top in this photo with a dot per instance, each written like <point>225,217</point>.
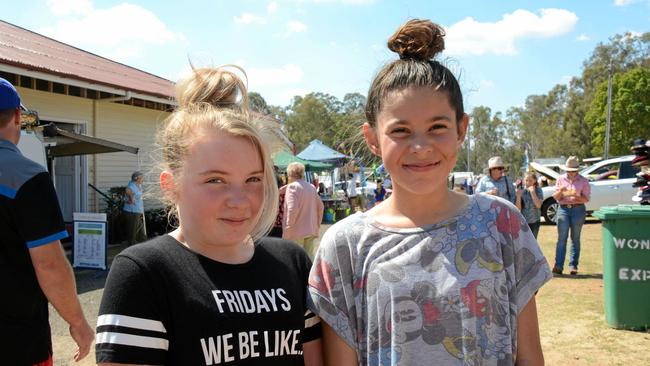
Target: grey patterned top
<point>445,294</point>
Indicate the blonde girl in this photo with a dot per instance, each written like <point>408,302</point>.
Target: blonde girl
<point>213,291</point>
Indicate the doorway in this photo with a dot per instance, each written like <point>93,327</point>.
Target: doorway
<point>70,177</point>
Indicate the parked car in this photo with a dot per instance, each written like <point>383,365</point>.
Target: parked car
<point>611,184</point>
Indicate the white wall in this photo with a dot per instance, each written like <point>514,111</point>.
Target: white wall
<point>124,124</point>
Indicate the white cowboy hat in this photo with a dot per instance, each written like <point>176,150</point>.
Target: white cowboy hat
<point>572,164</point>
<point>495,162</point>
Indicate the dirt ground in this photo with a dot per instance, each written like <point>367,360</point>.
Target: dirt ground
<point>570,309</point>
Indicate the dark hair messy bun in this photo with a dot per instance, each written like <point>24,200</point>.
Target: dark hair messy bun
<point>417,42</point>
<point>418,39</point>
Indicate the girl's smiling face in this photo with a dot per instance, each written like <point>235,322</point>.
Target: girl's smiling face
<point>220,190</point>
<point>417,136</point>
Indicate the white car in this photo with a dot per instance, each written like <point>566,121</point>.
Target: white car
<point>611,184</point>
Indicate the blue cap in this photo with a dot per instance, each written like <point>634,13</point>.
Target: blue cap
<point>9,98</point>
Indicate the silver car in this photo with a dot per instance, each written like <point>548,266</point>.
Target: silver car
<point>611,184</point>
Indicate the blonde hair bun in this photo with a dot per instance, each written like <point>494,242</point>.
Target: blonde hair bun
<point>218,86</point>
<point>418,39</point>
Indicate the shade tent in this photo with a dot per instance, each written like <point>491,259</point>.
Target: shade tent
<point>318,151</point>
<point>283,158</point>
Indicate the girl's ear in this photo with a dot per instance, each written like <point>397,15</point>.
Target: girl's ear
<point>370,135</point>
<point>462,125</point>
<point>167,185</point>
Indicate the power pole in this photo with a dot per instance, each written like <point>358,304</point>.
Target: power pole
<point>609,110</point>
<point>469,141</point>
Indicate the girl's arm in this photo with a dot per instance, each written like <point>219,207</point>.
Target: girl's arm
<point>312,353</point>
<point>518,199</point>
<point>337,352</point>
<point>529,348</point>
<point>536,200</point>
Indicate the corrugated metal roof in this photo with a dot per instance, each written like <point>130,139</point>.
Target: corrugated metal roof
<point>25,49</point>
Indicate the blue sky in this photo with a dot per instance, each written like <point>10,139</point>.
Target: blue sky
<point>503,50</point>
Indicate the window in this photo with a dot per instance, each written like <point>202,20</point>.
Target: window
<point>628,171</point>
<point>605,172</point>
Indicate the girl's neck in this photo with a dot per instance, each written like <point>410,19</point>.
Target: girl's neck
<point>237,253</point>
<point>405,209</point>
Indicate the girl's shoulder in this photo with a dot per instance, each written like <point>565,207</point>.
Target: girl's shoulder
<point>484,200</point>
<point>346,226</point>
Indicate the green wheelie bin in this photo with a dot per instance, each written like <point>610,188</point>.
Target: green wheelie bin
<point>626,265</point>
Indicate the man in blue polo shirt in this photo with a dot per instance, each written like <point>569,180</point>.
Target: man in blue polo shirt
<point>33,266</point>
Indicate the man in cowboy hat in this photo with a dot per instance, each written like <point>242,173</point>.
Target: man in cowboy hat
<point>496,182</point>
<point>572,191</point>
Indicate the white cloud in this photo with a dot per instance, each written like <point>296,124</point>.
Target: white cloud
<point>248,18</point>
<point>472,37</point>
<point>296,27</point>
<point>566,79</point>
<point>284,96</point>
<point>625,2</point>
<point>344,2</point>
<point>293,27</point>
<point>583,37</point>
<point>272,7</point>
<point>69,7</point>
<point>285,75</point>
<point>122,32</point>
<point>485,84</point>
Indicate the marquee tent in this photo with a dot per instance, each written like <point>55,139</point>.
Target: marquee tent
<point>283,158</point>
<point>318,151</point>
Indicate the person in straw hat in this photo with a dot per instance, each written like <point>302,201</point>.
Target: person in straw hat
<point>572,191</point>
<point>496,182</point>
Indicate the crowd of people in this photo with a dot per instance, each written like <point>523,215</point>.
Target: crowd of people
<point>425,276</point>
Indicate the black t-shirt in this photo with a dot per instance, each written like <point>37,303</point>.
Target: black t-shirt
<point>164,304</point>
<point>29,217</point>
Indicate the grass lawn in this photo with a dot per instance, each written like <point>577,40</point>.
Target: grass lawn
<point>571,311</point>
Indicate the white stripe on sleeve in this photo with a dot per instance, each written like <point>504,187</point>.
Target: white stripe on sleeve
<point>132,340</point>
<point>312,321</point>
<point>131,322</point>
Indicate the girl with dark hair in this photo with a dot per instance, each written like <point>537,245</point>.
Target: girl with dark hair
<point>428,276</point>
<point>529,201</point>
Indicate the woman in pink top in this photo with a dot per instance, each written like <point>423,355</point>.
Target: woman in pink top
<point>303,210</point>
<point>572,191</point>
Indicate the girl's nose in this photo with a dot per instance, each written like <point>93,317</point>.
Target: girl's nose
<point>236,198</point>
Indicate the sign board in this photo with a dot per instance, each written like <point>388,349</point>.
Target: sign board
<point>90,240</point>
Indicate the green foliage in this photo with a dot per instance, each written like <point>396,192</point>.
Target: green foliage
<point>324,117</point>
<point>630,117</point>
<point>311,117</point>
<point>258,104</point>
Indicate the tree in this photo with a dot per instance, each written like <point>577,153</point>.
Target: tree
<point>630,117</point>
<point>313,116</point>
<point>354,103</point>
<point>623,52</point>
<point>486,134</point>
<point>258,104</point>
